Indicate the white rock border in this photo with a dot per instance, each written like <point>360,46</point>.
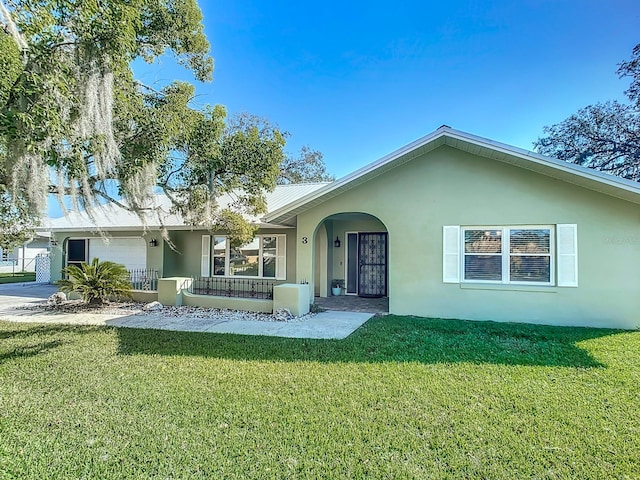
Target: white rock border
<point>167,311</point>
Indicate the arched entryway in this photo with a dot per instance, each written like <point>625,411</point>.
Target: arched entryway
<point>351,249</point>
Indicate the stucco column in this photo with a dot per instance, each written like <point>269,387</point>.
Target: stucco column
<point>305,253</point>
<point>320,265</point>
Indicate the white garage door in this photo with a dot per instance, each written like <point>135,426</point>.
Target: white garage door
<point>130,252</point>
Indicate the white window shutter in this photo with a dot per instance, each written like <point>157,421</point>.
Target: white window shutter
<point>281,257</point>
<point>205,265</point>
<point>451,254</point>
<point>567,235</point>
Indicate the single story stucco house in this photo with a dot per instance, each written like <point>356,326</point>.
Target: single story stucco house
<point>449,226</point>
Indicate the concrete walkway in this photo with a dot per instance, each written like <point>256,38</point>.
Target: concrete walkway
<point>325,325</point>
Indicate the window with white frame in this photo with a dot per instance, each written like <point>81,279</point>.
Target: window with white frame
<point>263,257</point>
<point>524,255</point>
<point>508,254</point>
<point>219,256</point>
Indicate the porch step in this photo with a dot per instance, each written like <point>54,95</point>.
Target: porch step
<point>352,303</point>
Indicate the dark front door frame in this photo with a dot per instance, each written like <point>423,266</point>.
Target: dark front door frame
<point>77,251</point>
<point>351,263</point>
<point>366,263</point>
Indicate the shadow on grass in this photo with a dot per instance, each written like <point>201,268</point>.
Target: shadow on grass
<point>27,339</point>
<point>29,350</point>
<point>387,339</point>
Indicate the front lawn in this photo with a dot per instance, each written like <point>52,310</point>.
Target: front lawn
<point>17,277</point>
<point>400,398</point>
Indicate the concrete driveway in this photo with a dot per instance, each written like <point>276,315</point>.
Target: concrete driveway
<point>325,325</point>
<point>15,294</point>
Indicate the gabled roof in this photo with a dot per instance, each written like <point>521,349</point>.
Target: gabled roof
<point>111,217</point>
<point>568,172</point>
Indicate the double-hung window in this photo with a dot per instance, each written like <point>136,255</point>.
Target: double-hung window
<point>508,255</point>
<point>263,257</point>
<point>520,255</point>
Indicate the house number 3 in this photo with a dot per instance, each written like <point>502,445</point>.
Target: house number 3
<point>305,240</point>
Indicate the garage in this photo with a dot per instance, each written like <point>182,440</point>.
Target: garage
<point>129,251</point>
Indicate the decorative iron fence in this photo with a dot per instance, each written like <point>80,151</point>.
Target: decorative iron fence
<point>144,279</point>
<point>233,287</point>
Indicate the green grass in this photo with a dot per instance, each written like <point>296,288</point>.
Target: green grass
<point>17,277</point>
<point>401,398</point>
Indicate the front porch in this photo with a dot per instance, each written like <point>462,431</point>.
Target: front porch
<point>352,303</point>
<point>351,250</point>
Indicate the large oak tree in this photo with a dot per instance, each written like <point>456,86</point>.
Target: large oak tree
<point>604,136</point>
<point>74,121</point>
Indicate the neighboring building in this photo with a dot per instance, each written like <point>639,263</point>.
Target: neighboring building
<point>449,226</point>
<point>23,258</point>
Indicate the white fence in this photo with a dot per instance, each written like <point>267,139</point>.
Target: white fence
<point>17,265</point>
<point>43,268</point>
<point>40,265</point>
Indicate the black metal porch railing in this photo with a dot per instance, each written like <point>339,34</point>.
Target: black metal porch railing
<point>144,279</point>
<point>233,287</point>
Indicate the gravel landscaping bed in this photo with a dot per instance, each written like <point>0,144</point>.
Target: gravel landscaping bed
<point>132,308</point>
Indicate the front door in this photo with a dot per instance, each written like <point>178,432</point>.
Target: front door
<point>372,264</point>
<point>76,252</point>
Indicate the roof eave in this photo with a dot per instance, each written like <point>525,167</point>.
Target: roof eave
<point>571,173</point>
<point>285,214</point>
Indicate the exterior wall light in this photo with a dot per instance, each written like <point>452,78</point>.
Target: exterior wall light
<point>337,242</point>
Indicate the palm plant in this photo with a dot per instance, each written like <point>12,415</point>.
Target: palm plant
<point>96,282</point>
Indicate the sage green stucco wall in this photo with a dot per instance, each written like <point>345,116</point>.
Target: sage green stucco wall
<point>451,187</point>
<point>185,261</point>
<point>154,254</point>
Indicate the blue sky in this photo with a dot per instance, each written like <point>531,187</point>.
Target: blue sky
<point>357,80</point>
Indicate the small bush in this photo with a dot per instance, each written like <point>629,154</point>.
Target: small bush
<point>315,308</point>
<point>97,282</point>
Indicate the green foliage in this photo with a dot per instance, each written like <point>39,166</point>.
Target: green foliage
<point>239,158</point>
<point>307,167</point>
<point>96,282</point>
<point>17,225</point>
<point>315,308</point>
<point>73,106</point>
<point>631,69</point>
<point>177,26</point>
<point>401,398</point>
<point>76,107</point>
<point>604,136</point>
<point>10,65</point>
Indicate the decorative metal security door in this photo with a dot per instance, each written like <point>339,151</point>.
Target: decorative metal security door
<point>372,261</point>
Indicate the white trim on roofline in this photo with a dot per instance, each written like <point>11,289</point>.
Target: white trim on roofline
<point>558,164</point>
<point>583,176</point>
<point>110,217</point>
<point>93,230</point>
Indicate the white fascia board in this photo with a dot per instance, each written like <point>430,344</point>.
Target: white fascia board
<point>343,183</point>
<point>554,163</point>
<point>594,177</point>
